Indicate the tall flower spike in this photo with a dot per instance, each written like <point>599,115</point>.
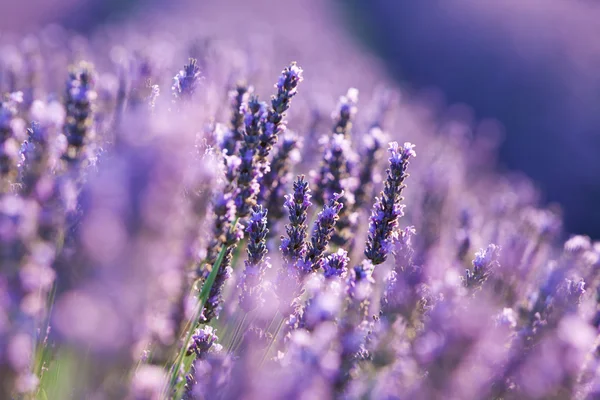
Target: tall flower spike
<point>293,247</point>
<point>346,110</point>
<point>79,104</point>
<point>286,88</point>
<point>256,264</point>
<point>186,81</point>
<point>336,172</point>
<point>322,232</point>
<point>275,125</point>
<point>338,157</point>
<point>333,173</point>
<point>255,114</point>
<point>238,97</point>
<point>247,175</point>
<point>387,208</point>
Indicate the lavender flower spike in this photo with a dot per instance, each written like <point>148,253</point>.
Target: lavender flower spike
<point>79,104</point>
<point>322,232</point>
<point>293,247</point>
<point>256,262</point>
<point>255,114</point>
<point>387,208</point>
<point>484,262</point>
<point>238,97</point>
<point>346,110</point>
<point>274,125</point>
<point>248,187</point>
<point>186,81</point>
<point>286,87</point>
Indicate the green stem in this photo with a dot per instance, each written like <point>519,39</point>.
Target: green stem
<point>196,318</point>
<point>204,293</point>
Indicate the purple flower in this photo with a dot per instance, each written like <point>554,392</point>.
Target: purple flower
<point>484,262</point>
<point>346,110</point>
<point>203,341</point>
<point>336,264</point>
<point>336,172</point>
<point>79,104</point>
<point>322,232</point>
<point>214,302</point>
<point>186,81</point>
<point>248,170</point>
<point>274,125</point>
<point>35,156</point>
<point>238,98</point>
<point>293,247</point>
<point>256,263</point>
<point>325,304</point>
<point>387,208</point>
<point>148,383</point>
<point>209,376</point>
<point>287,85</point>
<point>255,114</point>
<point>333,172</point>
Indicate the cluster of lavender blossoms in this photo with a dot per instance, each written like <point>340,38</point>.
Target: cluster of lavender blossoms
<point>171,238</point>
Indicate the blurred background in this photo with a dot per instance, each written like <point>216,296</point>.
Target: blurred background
<point>531,65</point>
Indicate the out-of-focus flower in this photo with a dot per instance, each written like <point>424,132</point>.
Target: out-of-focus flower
<point>483,264</point>
<point>79,103</point>
<point>186,81</point>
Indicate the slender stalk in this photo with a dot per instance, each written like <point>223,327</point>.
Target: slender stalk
<point>237,331</point>
<point>272,342</point>
<point>203,297</point>
<point>273,320</point>
<point>227,333</point>
<point>237,345</point>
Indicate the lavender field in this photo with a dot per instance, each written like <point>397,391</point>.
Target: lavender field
<point>235,202</point>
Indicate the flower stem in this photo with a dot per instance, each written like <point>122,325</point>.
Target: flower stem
<point>196,318</point>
